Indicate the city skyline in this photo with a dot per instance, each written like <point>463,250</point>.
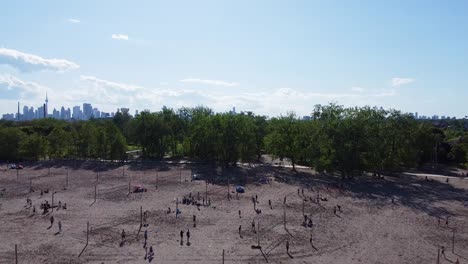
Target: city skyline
<point>88,112</point>
<point>268,57</point>
<point>63,113</point>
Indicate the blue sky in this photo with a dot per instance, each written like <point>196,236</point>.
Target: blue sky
<point>269,57</point>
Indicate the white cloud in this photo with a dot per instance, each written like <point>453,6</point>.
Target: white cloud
<point>74,20</point>
<point>109,95</point>
<point>357,89</point>
<point>210,82</point>
<point>11,83</point>
<point>114,94</point>
<point>26,62</point>
<point>120,36</point>
<point>100,83</point>
<point>397,81</point>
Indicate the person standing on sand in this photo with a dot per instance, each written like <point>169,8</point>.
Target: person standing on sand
<point>51,221</point>
<point>181,237</point>
<point>60,226</point>
<point>123,235</point>
<point>269,203</point>
<point>188,236</point>
<point>287,246</point>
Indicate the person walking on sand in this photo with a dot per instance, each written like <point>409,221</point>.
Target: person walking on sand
<point>269,203</point>
<point>443,252</point>
<point>51,221</point>
<point>123,235</point>
<point>188,236</point>
<point>287,246</point>
<point>60,226</point>
<point>181,237</point>
<point>150,254</point>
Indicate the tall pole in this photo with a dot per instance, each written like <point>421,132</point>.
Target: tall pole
<point>284,217</point>
<point>258,233</point>
<point>53,200</point>
<point>438,255</point>
<point>223,256</point>
<point>206,190</point>
<point>16,254</point>
<point>303,205</point>
<point>177,208</point>
<point>453,241</point>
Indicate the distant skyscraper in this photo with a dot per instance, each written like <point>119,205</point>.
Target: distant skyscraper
<point>76,113</point>
<point>18,115</point>
<point>46,106</point>
<point>87,111</point>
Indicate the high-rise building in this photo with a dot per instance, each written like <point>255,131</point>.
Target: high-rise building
<point>87,111</point>
<point>46,106</point>
<point>18,114</point>
<point>77,113</point>
<point>63,113</point>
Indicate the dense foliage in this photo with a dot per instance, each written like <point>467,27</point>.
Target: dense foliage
<point>336,139</point>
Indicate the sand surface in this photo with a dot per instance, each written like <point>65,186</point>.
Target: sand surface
<point>370,229</point>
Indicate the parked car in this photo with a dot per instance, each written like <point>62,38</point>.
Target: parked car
<point>16,166</point>
<point>196,177</point>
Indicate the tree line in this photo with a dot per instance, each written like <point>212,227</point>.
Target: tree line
<point>336,139</point>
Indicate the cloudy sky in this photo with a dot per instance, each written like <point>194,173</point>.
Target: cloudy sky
<point>268,56</point>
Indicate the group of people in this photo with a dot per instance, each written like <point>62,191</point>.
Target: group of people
<point>182,237</point>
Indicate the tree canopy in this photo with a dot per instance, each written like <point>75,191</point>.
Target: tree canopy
<point>336,139</point>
